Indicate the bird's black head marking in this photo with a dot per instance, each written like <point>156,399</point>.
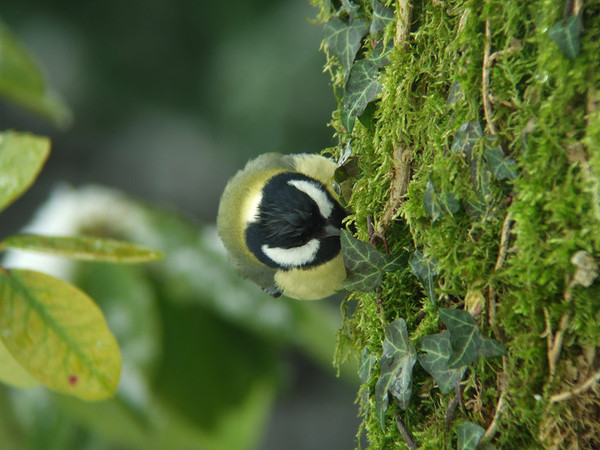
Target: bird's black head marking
<point>291,215</point>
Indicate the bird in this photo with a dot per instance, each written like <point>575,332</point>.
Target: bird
<point>280,223</point>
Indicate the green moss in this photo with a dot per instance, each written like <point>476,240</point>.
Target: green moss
<point>544,109</point>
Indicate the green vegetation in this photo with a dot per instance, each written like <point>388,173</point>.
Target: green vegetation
<point>52,332</point>
<point>474,134</point>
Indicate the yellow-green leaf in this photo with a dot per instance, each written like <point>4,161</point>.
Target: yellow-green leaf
<point>21,81</point>
<point>84,247</point>
<point>58,334</point>
<point>21,159</point>
<point>11,371</point>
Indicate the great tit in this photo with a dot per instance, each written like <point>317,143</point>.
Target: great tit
<point>280,223</point>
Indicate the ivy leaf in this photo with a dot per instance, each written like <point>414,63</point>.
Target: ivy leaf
<point>84,248</point>
<point>379,54</point>
<point>362,87</point>
<point>469,435</point>
<point>464,336</point>
<point>466,137</point>
<point>21,159</point>
<point>21,81</point>
<point>365,264</point>
<point>425,270</point>
<point>367,361</point>
<point>58,335</point>
<point>382,16</point>
<point>490,348</point>
<point>363,282</point>
<point>395,262</point>
<point>367,118</point>
<point>456,94</point>
<point>351,8</point>
<point>397,362</point>
<point>436,205</point>
<point>480,177</point>
<point>347,166</point>
<point>566,35</point>
<point>344,39</point>
<point>345,154</point>
<point>435,353</point>
<point>500,165</point>
<point>466,340</point>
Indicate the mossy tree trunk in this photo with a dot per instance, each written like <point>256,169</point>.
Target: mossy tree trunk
<point>479,146</point>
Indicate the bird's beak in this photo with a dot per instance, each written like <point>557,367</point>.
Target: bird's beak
<point>331,230</point>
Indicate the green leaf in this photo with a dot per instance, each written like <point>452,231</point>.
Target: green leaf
<point>430,203</point>
<point>397,361</point>
<point>396,261</point>
<point>466,137</point>
<point>362,87</point>
<point>500,165</point>
<point>22,82</point>
<point>367,118</point>
<point>466,340</point>
<point>21,159</point>
<point>351,8</point>
<point>469,435</point>
<point>58,335</point>
<point>490,348</point>
<point>365,264</point>
<point>347,165</point>
<point>566,35</point>
<point>380,53</point>
<point>363,282</point>
<point>436,205</point>
<point>84,247</point>
<point>435,352</point>
<point>464,336</point>
<point>344,39</point>
<point>382,16</point>
<point>456,94</point>
<point>425,270</point>
<point>360,256</point>
<point>367,361</point>
<point>11,371</point>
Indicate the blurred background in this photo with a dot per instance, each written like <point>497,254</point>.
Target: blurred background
<point>169,99</point>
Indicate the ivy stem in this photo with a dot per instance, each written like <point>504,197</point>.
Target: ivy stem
<point>410,443</point>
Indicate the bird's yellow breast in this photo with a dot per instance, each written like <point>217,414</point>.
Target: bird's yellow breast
<point>312,283</point>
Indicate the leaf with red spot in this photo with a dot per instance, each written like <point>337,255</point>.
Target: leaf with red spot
<point>58,335</point>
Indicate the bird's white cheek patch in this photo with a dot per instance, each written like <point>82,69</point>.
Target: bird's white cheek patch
<point>252,208</point>
<point>295,256</point>
<point>316,193</point>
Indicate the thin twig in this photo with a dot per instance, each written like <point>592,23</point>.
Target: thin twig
<point>572,8</point>
<point>410,443</point>
<point>485,79</point>
<point>587,384</point>
<point>376,235</point>
<point>493,428</point>
<point>504,239</point>
<point>556,347</point>
<point>547,333</point>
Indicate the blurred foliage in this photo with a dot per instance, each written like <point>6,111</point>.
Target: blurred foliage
<point>200,348</point>
<point>52,332</point>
